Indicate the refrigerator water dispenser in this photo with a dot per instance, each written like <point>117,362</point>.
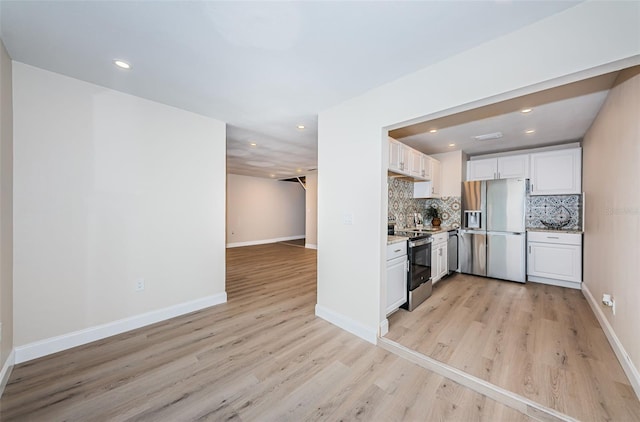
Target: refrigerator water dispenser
<point>472,219</point>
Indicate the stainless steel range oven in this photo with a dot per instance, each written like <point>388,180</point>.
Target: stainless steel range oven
<point>419,284</point>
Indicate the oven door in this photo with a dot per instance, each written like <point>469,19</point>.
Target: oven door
<point>419,264</point>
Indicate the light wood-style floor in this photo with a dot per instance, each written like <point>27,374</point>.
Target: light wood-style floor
<point>542,342</point>
<point>263,356</point>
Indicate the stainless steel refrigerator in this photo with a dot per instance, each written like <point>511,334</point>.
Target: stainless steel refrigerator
<point>492,235</point>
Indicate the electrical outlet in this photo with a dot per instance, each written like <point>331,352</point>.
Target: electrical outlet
<point>139,285</point>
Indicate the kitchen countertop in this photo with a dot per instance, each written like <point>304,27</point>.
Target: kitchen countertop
<point>391,239</point>
<point>555,231</point>
<point>432,230</point>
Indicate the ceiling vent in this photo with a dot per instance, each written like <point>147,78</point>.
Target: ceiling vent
<point>488,136</point>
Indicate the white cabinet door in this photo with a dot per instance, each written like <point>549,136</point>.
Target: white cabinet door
<point>555,261</point>
<point>442,260</point>
<point>486,169</point>
<point>439,261</point>
<point>422,190</point>
<point>428,167</point>
<point>396,283</point>
<point>430,189</point>
<point>416,164</point>
<point>396,156</point>
<point>434,263</point>
<point>513,166</point>
<point>499,168</point>
<point>436,178</point>
<point>556,172</point>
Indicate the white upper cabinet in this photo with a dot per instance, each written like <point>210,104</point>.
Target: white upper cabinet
<point>486,169</point>
<point>416,164</point>
<point>430,189</point>
<point>556,172</point>
<point>499,168</point>
<point>398,156</point>
<point>436,178</point>
<point>408,161</point>
<point>513,166</point>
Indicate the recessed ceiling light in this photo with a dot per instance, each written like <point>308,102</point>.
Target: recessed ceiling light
<point>272,175</point>
<point>300,126</point>
<point>299,170</point>
<point>433,130</point>
<point>253,144</point>
<point>530,131</point>
<point>122,64</point>
<point>452,145</point>
<point>526,110</point>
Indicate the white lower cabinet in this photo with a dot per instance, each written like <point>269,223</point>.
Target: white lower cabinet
<point>439,259</point>
<point>397,266</point>
<point>555,258</point>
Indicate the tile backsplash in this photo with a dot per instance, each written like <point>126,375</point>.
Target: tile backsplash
<point>555,210</point>
<point>402,205</point>
<point>449,207</point>
<point>401,202</point>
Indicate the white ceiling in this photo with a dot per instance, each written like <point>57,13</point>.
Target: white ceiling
<point>557,116</point>
<point>262,67</point>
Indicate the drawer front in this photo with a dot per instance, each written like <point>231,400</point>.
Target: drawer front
<point>440,237</point>
<point>550,237</point>
<point>396,249</point>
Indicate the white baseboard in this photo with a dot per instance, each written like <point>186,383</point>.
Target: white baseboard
<point>384,328</point>
<point>263,241</point>
<point>5,373</point>
<point>77,338</point>
<point>561,283</point>
<point>627,365</point>
<point>310,246</point>
<point>354,327</point>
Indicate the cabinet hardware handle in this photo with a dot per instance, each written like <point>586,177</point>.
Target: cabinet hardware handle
<point>553,237</point>
<point>397,250</point>
<point>494,175</point>
<point>498,175</point>
<point>529,249</point>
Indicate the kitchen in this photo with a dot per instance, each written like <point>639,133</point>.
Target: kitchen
<point>498,328</point>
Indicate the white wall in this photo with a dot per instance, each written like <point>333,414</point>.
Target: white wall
<point>611,170</point>
<point>110,188</point>
<point>263,210</point>
<point>451,167</point>
<point>588,39</point>
<point>311,204</point>
<point>6,206</point>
